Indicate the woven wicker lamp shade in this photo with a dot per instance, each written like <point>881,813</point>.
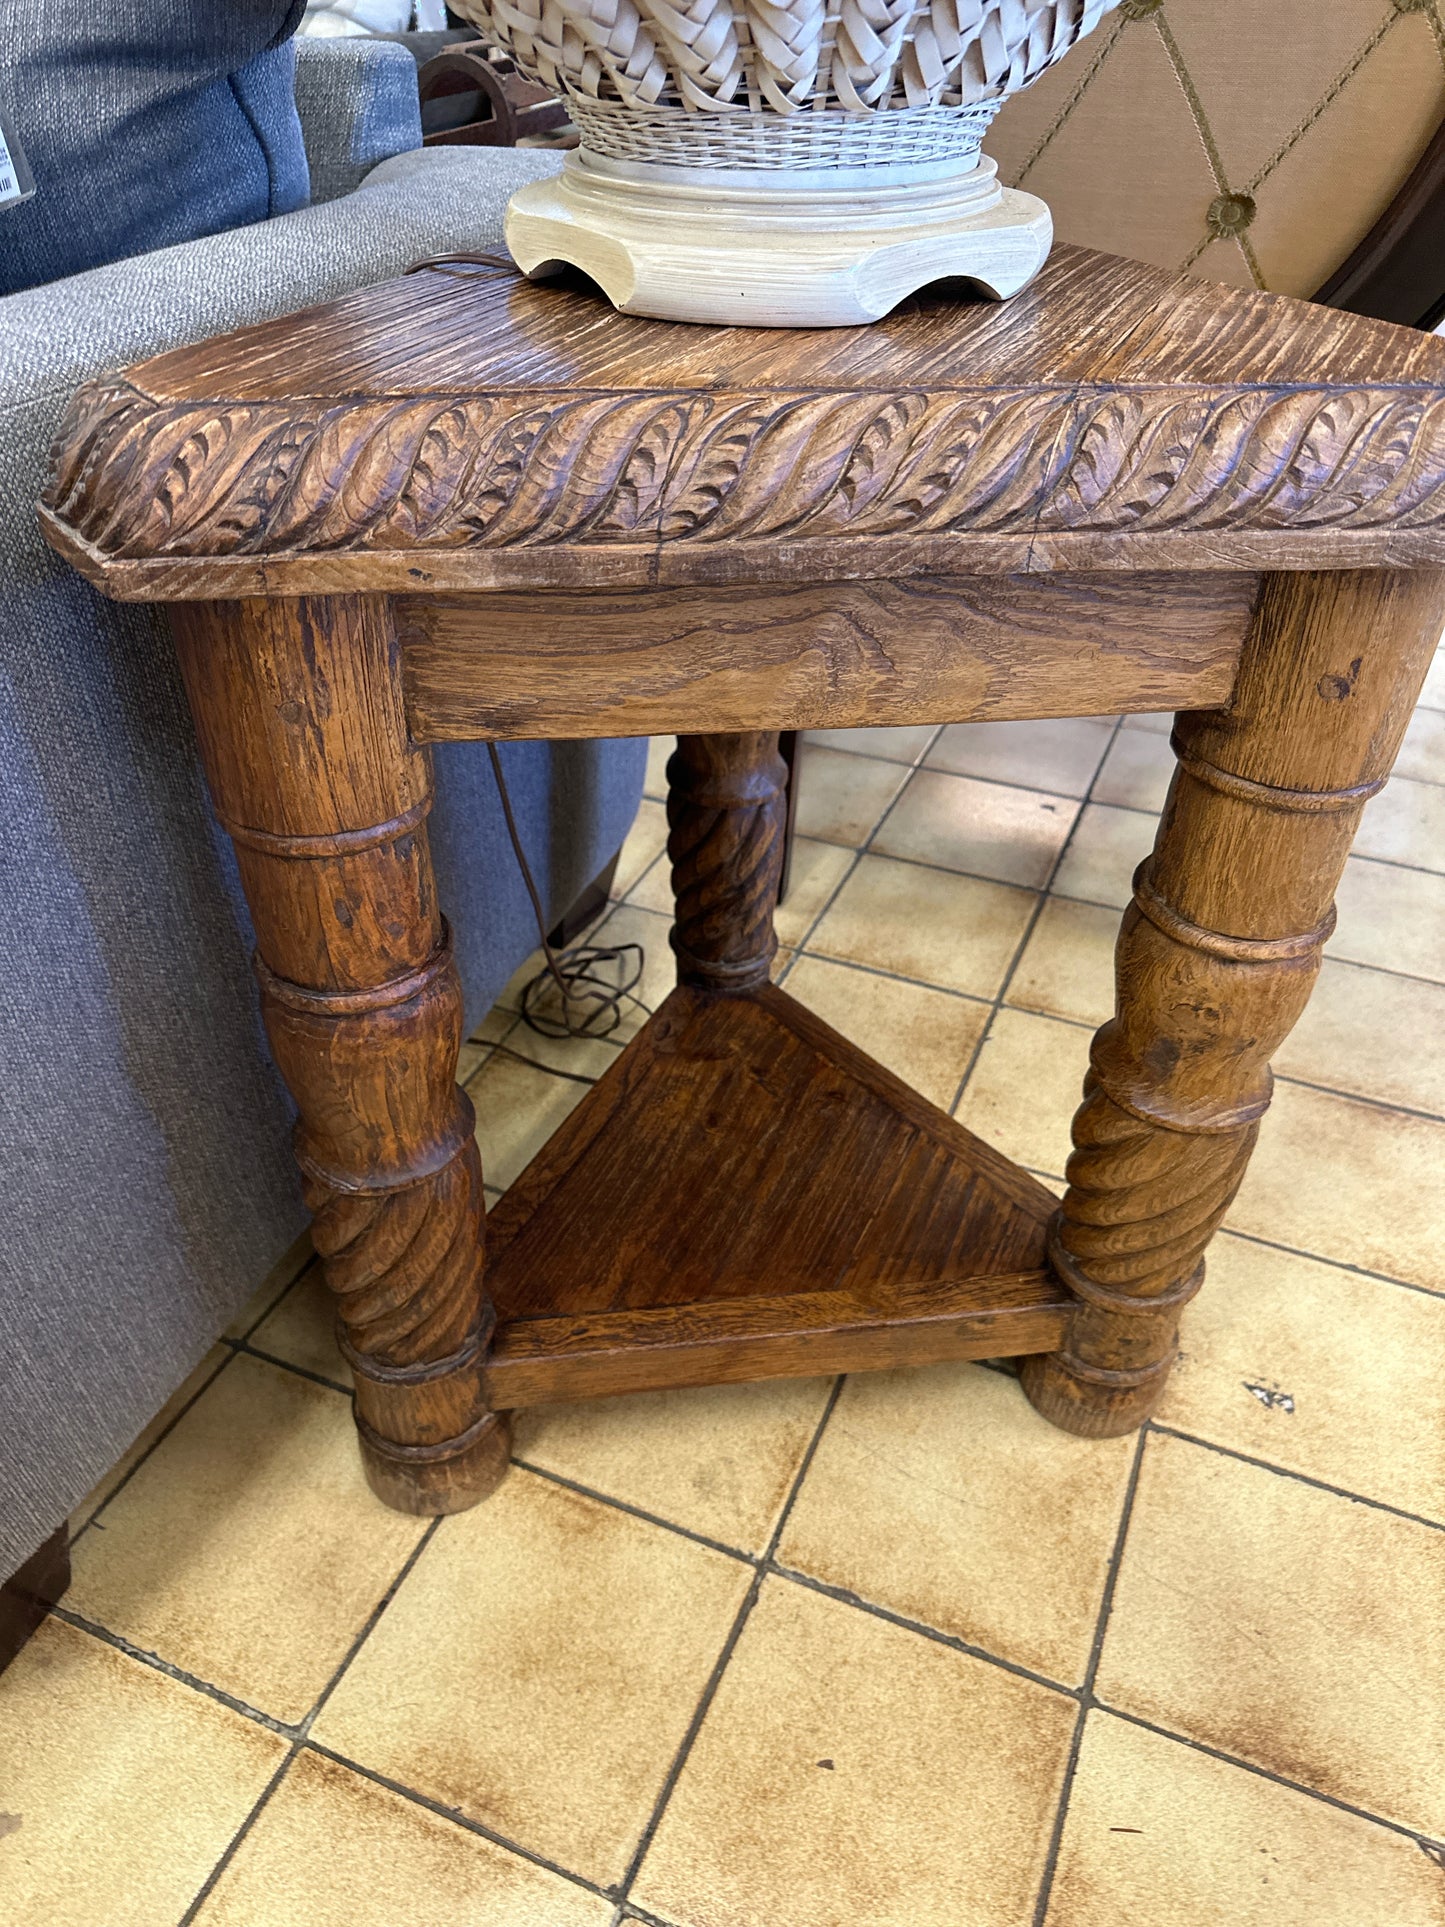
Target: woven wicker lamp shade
<point>782,162</point>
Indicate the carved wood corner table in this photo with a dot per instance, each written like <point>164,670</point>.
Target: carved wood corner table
<point>462,506</point>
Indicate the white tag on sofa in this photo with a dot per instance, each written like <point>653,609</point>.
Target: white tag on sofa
<point>16,183</point>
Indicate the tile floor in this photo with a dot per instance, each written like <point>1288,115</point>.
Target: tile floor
<point>889,1653</point>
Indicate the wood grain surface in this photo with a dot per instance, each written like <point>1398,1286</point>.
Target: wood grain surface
<point>1216,960</point>
<point>535,1361</point>
<point>843,655</point>
<point>462,429</point>
<point>299,714</point>
<point>739,1159</point>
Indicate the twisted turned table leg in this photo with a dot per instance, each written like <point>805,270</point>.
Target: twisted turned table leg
<point>727,808</point>
<point>299,713</point>
<point>1216,960</point>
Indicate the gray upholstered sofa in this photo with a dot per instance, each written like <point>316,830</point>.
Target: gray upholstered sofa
<point>145,1183</point>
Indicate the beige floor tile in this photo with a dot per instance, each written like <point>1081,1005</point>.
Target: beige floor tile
<point>924,1036</point>
<point>538,1668</point>
<point>629,923</point>
<point>1422,754</point>
<point>121,1787</point>
<point>653,889</point>
<point>278,1279</point>
<point>473,1055</point>
<point>984,829</point>
<point>849,1771</point>
<point>1107,847</point>
<point>913,1501</point>
<point>191,1388</point>
<point>1058,756</point>
<point>942,929</point>
<point>1068,968</point>
<point>247,1549</point>
<point>495,1028</point>
<point>645,842</point>
<point>1392,918</point>
<point>1137,771</point>
<point>1025,1088</point>
<point>720,1461</point>
<point>654,784</point>
<point>511,997</point>
<point>1319,1370</point>
<point>1374,1034</point>
<point>1159,1835</point>
<point>585,1057</point>
<point>1287,1626</point>
<point>841,797</point>
<point>1348,1181</point>
<point>518,1109</point>
<point>1432,696</point>
<point>302,1330</point>
<point>1159,722</point>
<point>332,1849</point>
<point>818,869</point>
<point>901,745</point>
<point>1405,823</point>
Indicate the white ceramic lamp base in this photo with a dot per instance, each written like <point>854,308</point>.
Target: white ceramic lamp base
<point>777,248</point>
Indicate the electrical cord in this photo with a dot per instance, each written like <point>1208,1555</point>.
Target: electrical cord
<point>584,1002</point>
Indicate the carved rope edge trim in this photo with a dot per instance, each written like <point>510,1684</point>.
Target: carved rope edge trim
<point>138,478</point>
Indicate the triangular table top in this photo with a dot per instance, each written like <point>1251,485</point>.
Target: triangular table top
<point>463,429</point>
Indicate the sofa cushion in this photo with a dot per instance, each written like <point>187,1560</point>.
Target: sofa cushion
<point>145,122</point>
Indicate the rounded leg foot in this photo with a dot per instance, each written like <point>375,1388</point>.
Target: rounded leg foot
<point>1090,1403</point>
<point>429,1480</point>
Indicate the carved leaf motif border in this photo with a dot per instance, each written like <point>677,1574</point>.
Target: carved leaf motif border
<point>139,478</point>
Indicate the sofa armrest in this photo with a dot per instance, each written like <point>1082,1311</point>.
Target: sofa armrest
<point>436,200</point>
<point>357,99</point>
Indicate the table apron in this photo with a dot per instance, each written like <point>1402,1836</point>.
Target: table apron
<point>839,655</point>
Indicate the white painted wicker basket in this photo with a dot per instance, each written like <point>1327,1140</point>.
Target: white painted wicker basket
<point>779,94</point>
<point>722,57</point>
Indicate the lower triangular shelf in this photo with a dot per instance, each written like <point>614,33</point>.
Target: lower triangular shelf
<point>747,1195</point>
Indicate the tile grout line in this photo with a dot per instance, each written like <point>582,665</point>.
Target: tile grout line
<point>897,977</point>
<point>1275,1779</point>
<point>301,1731</point>
<point>457,1818</point>
<point>865,849</point>
<point>1086,1698</point>
<point>1040,903</point>
<point>1158,1429</point>
<point>857,852</point>
<point>123,1483</point>
<point>638,1512</point>
<point>933,1634</point>
<point>1336,1264</point>
<point>243,1348</point>
<point>766,1569</point>
<point>998,1002</point>
<point>145,1656</point>
<point>628,1913</point>
<point>714,1681</point>
<point>231,1345</point>
<point>766,1566</point>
